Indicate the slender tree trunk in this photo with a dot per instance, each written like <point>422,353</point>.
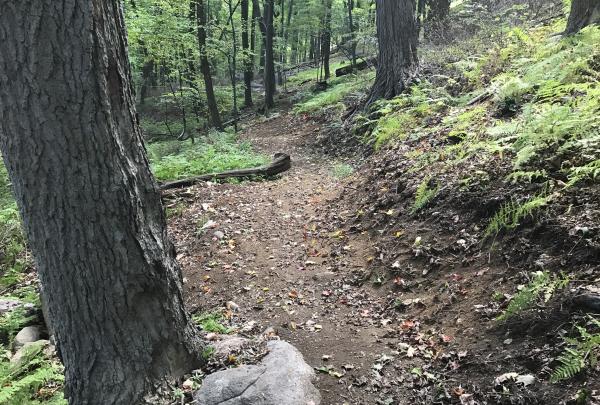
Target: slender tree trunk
<point>211,101</point>
<point>326,39</point>
<point>396,32</point>
<point>583,13</point>
<point>233,67</point>
<point>248,58</point>
<point>90,206</point>
<point>269,10</point>
<point>352,30</point>
<point>263,31</point>
<point>436,21</point>
<point>148,79</point>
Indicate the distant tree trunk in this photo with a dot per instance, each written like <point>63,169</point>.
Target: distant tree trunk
<point>396,32</point>
<point>326,39</point>
<point>211,101</point>
<point>269,13</point>
<point>351,31</point>
<point>90,206</point>
<point>248,58</point>
<point>583,13</point>
<point>148,80</point>
<point>437,17</point>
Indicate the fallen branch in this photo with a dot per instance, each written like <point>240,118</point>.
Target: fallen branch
<point>281,163</point>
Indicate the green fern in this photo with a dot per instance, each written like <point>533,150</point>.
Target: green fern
<point>510,215</point>
<point>540,289</point>
<point>424,195</point>
<point>589,171</point>
<point>581,353</point>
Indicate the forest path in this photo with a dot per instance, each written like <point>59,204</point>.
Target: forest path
<point>267,249</point>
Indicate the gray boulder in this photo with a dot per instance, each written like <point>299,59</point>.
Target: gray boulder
<point>8,305</point>
<point>26,335</point>
<point>282,377</point>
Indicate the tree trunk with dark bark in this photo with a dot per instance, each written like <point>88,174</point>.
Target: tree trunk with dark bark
<point>397,59</point>
<point>248,58</point>
<point>211,101</point>
<point>326,39</point>
<point>583,13</point>
<point>269,13</point>
<point>90,206</point>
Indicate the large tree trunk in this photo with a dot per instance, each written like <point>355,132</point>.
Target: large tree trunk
<point>248,58</point>
<point>269,11</point>
<point>211,101</point>
<point>90,206</point>
<point>397,34</point>
<point>583,13</point>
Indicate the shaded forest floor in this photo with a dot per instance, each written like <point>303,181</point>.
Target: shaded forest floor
<point>287,254</point>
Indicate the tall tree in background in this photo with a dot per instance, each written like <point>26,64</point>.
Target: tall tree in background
<point>91,209</point>
<point>268,21</point>
<point>583,13</point>
<point>326,38</point>
<point>397,60</point>
<point>211,101</point>
<point>247,54</point>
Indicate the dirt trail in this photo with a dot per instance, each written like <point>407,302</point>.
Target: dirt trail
<point>270,253</point>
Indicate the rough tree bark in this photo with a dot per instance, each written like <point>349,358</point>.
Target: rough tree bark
<point>397,59</point>
<point>269,13</point>
<point>583,13</point>
<point>248,58</point>
<point>326,38</point>
<point>91,209</point>
<point>211,101</point>
<point>437,17</point>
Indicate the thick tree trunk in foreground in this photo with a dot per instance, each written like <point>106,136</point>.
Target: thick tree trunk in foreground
<point>211,101</point>
<point>397,34</point>
<point>91,209</point>
<point>583,13</point>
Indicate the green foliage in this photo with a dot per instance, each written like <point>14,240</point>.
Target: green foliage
<point>541,287</point>
<point>13,321</point>
<point>342,170</point>
<point>208,352</point>
<point>211,322</point>
<point>511,95</point>
<point>510,215</point>
<point>424,195</point>
<point>582,352</point>
<point>520,176</point>
<point>338,90</point>
<point>21,382</point>
<point>589,171</point>
<point>219,152</point>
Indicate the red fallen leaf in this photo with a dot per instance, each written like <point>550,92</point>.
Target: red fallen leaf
<point>456,277</point>
<point>399,282</point>
<point>407,324</point>
<point>447,338</point>
<point>293,294</point>
<point>458,391</point>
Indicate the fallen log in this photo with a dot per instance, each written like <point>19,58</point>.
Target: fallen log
<point>281,163</point>
<point>364,64</point>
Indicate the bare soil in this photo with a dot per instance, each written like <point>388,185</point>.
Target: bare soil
<point>292,254</point>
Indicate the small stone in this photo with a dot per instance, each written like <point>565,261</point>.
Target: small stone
<point>232,306</point>
<point>28,348</point>
<point>212,336</point>
<point>28,334</point>
<point>219,235</point>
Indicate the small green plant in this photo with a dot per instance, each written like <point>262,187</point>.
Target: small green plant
<point>342,170</point>
<point>510,215</point>
<point>541,288</point>
<point>424,195</point>
<point>208,352</point>
<point>526,176</point>
<point>582,352</point>
<point>21,382</point>
<point>588,171</point>
<point>12,321</point>
<point>211,322</point>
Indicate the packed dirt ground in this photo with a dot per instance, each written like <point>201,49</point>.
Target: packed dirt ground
<point>290,257</point>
